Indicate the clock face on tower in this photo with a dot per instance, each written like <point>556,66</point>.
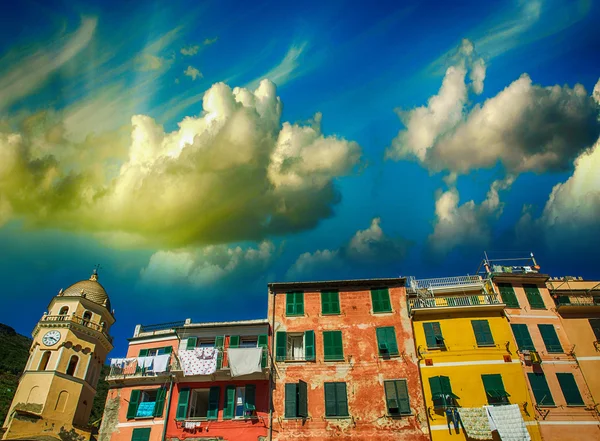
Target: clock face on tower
<point>51,338</point>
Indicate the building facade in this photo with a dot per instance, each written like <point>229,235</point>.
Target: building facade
<point>212,383</point>
<point>70,344</point>
<point>562,402</point>
<point>345,365</point>
<point>467,354</point>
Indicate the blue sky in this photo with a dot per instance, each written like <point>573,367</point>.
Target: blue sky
<point>199,150</point>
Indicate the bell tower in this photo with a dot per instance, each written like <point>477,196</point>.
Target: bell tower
<point>70,344</point>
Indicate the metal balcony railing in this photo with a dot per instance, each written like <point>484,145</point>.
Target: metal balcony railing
<point>131,367</point>
<point>453,301</point>
<point>577,300</point>
<point>444,282</point>
<point>77,320</point>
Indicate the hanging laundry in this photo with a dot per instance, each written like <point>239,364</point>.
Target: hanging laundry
<point>475,422</point>
<point>244,361</point>
<point>145,362</point>
<point>199,361</point>
<point>509,422</point>
<point>161,363</point>
<point>191,425</point>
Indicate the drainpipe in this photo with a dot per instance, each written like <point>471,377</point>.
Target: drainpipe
<point>164,434</point>
<point>272,363</point>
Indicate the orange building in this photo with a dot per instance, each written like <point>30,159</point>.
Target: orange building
<point>563,404</point>
<point>345,365</point>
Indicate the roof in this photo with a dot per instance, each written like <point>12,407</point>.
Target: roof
<point>89,289</point>
<point>520,277</point>
<point>333,284</point>
<point>218,324</point>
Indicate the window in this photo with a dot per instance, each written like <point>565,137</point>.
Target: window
<point>87,317</point>
<point>147,403</point>
<point>508,295</point>
<point>141,434</point>
<point>296,400</point>
<point>494,389</point>
<point>294,303</point>
<point>295,346</point>
<point>64,310</point>
<point>483,334</point>
<point>204,403</point>
<point>433,335</point>
<point>240,401</point>
<point>396,397</point>
<point>336,400</point>
<point>441,392</point>
<point>330,302</point>
<point>534,297</point>
<point>595,324</point>
<point>381,300</point>
<point>523,338</point>
<point>540,389</point>
<point>569,388</point>
<point>72,365</point>
<point>248,342</point>
<point>194,342</point>
<point>44,361</point>
<point>550,338</point>
<point>386,341</point>
<point>152,352</point>
<point>333,348</point>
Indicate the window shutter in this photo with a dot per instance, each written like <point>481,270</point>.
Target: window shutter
<point>534,297</point>
<point>290,306</point>
<point>403,399</point>
<point>229,402</point>
<point>375,299</point>
<point>433,334</point>
<point>294,303</point>
<point>382,344</point>
<point>234,341</point>
<point>521,333</point>
<point>325,303</point>
<point>446,387</point>
<point>143,353</point>
<point>508,295</point>
<point>302,399</point>
<point>291,406</point>
<point>191,343</point>
<point>493,385</point>
<point>219,344</point>
<point>540,389</point>
<point>330,302</point>
<point>550,338</point>
<point>160,402</point>
<point>182,404</point>
<point>134,401</point>
<point>263,342</point>
<point>391,397</point>
<point>309,345</point>
<point>341,398</point>
<point>300,303</point>
<point>569,388</point>
<point>281,345</point>
<point>595,324</point>
<point>213,403</point>
<point>141,434</point>
<point>381,300</point>
<point>391,340</point>
<point>332,345</point>
<point>250,404</point>
<point>436,387</point>
<point>169,350</point>
<point>330,401</point>
<point>483,334</point>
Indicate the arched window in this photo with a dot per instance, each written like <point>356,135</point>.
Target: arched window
<point>87,317</point>
<point>44,361</point>
<point>64,310</point>
<point>72,365</point>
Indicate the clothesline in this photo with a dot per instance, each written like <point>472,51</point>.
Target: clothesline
<point>155,363</point>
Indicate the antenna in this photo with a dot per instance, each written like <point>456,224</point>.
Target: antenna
<point>97,268</point>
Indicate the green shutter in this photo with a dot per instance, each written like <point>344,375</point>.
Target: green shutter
<point>309,345</point>
<point>391,397</point>
<point>220,345</point>
<point>191,343</point>
<point>386,341</point>
<point>433,335</point>
<point>141,434</point>
<point>540,389</point>
<point>436,387</point>
<point>523,338</point>
<point>330,401</point>
<point>447,387</point>
<point>494,387</point>
<point>595,324</point>
<point>281,345</point>
<point>160,402</point>
<point>234,341</point>
<point>332,345</point>
<point>169,350</point>
<point>550,338</point>
<point>302,399</point>
<point>508,295</point>
<point>569,388</point>
<point>229,405</point>
<point>294,303</point>
<point>341,396</point>
<point>134,401</point>
<point>143,353</point>
<point>263,342</point>
<point>381,300</point>
<point>213,403</point>
<point>402,391</point>
<point>534,297</point>
<point>182,404</point>
<point>482,331</point>
<point>330,302</point>
<point>291,402</point>
<point>250,404</point>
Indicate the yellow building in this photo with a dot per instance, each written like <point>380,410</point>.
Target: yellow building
<point>70,344</point>
<point>467,353</point>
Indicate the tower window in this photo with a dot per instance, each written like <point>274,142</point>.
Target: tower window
<point>44,361</point>
<point>64,310</point>
<point>72,365</point>
<point>87,317</point>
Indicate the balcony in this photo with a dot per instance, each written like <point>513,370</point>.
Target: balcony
<point>577,303</point>
<point>447,284</point>
<point>426,305</point>
<point>67,320</point>
<point>132,368</point>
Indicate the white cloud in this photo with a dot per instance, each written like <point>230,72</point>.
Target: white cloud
<point>286,69</point>
<point>526,127</point>
<point>310,263</point>
<point>24,77</point>
<point>153,57</point>
<point>193,73</point>
<point>209,41</point>
<point>189,51</point>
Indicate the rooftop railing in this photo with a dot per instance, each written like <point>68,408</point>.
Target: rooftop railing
<point>443,282</point>
<point>63,318</point>
<point>161,326</point>
<point>441,302</point>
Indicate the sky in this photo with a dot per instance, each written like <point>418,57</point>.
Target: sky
<point>200,150</point>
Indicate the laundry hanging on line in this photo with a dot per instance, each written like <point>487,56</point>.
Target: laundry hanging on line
<point>244,361</point>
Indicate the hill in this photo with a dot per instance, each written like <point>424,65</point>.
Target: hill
<point>15,352</point>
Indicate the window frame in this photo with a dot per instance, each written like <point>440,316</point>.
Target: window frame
<point>572,388</point>
<point>484,329</point>
<point>529,346</point>
<point>299,391</point>
<point>549,396</point>
<point>288,347</point>
<point>528,288</point>
<point>377,293</point>
<point>141,433</point>
<point>595,325</point>
<point>297,307</point>
<point>437,337</point>
<point>334,385</point>
<point>392,350</point>
<point>504,286</point>
<point>190,403</point>
<point>331,347</point>
<point>333,306</point>
<point>398,398</point>
<point>550,334</point>
<point>445,389</point>
<point>502,396</point>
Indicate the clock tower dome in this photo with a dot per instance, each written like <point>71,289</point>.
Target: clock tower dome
<point>70,344</point>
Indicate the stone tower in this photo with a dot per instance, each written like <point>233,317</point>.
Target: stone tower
<point>70,344</point>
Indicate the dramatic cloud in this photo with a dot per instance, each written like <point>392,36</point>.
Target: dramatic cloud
<point>193,73</point>
<point>188,51</point>
<point>233,173</point>
<point>526,127</point>
<point>370,247</point>
<point>207,266</point>
<point>209,41</point>
<point>286,69</point>
<point>153,57</point>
